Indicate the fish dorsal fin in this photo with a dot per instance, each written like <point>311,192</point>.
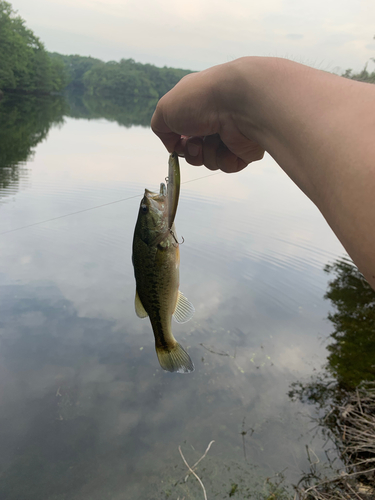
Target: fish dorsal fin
<point>139,309</point>
<point>184,309</point>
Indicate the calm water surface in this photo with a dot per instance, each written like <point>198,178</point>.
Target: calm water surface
<point>86,412</point>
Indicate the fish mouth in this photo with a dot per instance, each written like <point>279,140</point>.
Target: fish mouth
<point>152,194</point>
<point>155,201</point>
<point>158,197</point>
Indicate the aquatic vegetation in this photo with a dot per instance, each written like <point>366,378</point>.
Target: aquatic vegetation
<point>345,393</point>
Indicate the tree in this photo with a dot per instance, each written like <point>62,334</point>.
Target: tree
<point>75,67</point>
<point>24,63</point>
<point>117,81</point>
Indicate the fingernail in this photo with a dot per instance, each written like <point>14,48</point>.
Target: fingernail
<point>193,149</point>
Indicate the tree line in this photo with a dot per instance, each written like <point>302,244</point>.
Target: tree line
<point>362,76</point>
<point>118,80</point>
<point>26,66</point>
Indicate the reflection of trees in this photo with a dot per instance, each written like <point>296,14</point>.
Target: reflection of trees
<point>352,354</point>
<point>351,358</point>
<point>24,122</point>
<point>345,392</point>
<point>125,111</point>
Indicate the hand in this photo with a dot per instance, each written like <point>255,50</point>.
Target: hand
<point>200,120</point>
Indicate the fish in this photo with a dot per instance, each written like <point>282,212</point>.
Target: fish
<point>156,260</point>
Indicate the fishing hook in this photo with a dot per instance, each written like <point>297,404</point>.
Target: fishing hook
<point>175,239</point>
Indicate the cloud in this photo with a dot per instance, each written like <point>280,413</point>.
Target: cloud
<point>294,36</point>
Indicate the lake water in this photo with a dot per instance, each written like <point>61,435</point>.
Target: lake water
<point>86,411</point>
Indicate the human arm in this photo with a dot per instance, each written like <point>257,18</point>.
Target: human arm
<point>319,127</point>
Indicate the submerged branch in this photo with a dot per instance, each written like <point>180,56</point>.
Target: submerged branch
<point>202,457</point>
<point>191,468</point>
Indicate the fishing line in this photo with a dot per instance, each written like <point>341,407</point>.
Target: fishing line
<point>93,208</point>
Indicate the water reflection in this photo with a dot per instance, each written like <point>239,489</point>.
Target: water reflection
<point>69,397</point>
<point>24,122</point>
<point>351,358</point>
<point>86,412</point>
<point>344,392</point>
<point>352,354</point>
<point>126,111</point>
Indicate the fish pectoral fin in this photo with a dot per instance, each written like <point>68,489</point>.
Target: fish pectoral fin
<point>139,309</point>
<point>175,359</point>
<point>184,309</point>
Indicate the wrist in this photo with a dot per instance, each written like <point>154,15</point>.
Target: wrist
<point>264,94</point>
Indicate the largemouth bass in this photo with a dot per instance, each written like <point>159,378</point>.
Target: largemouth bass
<point>156,259</point>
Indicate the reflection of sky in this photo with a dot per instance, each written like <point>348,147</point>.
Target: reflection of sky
<point>80,384</point>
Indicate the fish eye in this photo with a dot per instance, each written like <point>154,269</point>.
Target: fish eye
<point>144,208</point>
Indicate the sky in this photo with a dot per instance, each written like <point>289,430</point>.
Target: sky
<point>332,35</point>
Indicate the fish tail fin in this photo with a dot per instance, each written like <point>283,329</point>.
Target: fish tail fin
<point>175,359</point>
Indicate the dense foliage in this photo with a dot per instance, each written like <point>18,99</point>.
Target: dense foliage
<point>115,80</point>
<point>118,80</point>
<point>362,76</point>
<point>24,63</point>
<point>75,68</point>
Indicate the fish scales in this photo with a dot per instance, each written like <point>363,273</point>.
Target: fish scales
<point>156,261</point>
<point>157,286</point>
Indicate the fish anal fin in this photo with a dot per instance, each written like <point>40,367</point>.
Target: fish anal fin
<point>184,309</point>
<point>139,309</point>
<point>175,359</point>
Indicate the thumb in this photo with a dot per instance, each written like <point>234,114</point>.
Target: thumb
<point>161,129</point>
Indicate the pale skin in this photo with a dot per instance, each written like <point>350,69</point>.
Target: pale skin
<point>319,127</point>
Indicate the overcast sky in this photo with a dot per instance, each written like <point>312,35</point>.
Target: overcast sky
<point>328,34</point>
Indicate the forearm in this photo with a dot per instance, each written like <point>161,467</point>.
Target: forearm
<point>320,128</point>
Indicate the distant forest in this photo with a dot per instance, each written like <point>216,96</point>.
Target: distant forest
<point>26,67</point>
<point>117,80</point>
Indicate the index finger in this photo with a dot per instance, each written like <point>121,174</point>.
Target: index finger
<point>161,129</point>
